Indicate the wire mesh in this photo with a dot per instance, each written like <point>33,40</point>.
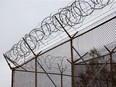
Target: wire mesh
<point>56,63</point>
<point>96,72</point>
<point>85,59</point>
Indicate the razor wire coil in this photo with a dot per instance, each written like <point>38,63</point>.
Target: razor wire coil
<point>69,16</point>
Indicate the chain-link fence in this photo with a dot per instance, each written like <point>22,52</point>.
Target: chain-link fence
<point>84,58</point>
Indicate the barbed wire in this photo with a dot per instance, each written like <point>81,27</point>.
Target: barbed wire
<point>69,16</point>
<point>53,63</point>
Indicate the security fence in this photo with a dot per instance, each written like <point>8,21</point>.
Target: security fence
<point>79,58</point>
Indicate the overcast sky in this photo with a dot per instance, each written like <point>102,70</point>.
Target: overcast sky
<point>18,17</point>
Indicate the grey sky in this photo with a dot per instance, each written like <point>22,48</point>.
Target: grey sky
<point>18,17</point>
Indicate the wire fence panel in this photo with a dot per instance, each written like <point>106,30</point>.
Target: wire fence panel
<point>58,55</point>
<point>96,72</point>
<point>20,81</point>
<point>97,38</point>
<point>94,62</point>
<point>55,66</point>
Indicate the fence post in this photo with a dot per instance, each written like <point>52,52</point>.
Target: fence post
<point>12,78</point>
<point>35,72</point>
<point>72,63</point>
<point>111,70</point>
<point>111,65</point>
